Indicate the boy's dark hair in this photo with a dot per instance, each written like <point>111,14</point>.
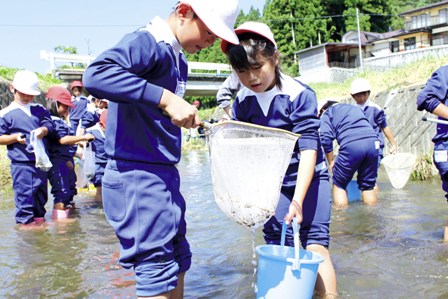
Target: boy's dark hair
<point>327,105</point>
<point>244,56</point>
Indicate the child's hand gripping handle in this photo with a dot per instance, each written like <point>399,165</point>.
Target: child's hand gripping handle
<point>206,125</point>
<point>295,228</point>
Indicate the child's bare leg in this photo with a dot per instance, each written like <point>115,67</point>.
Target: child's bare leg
<point>326,278</point>
<point>369,197</point>
<point>98,194</point>
<point>340,198</point>
<point>445,235</point>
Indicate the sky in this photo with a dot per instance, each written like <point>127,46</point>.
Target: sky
<point>92,26</point>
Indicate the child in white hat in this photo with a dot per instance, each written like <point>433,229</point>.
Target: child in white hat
<point>17,121</point>
<point>144,78</point>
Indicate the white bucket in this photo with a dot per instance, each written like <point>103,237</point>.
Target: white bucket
<point>399,168</point>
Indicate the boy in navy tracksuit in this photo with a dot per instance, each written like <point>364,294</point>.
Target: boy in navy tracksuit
<point>62,175</point>
<point>433,98</point>
<point>98,131</point>
<point>16,122</point>
<point>360,91</point>
<point>144,78</point>
<point>358,150</point>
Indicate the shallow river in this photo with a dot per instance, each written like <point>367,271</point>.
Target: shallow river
<point>391,250</point>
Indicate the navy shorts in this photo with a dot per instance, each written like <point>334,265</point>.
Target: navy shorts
<point>316,211</point>
<point>144,205</point>
<point>441,162</point>
<point>357,156</point>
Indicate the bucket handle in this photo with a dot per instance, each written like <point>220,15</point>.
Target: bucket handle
<point>295,227</point>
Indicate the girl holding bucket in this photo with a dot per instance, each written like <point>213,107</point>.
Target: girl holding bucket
<point>273,99</point>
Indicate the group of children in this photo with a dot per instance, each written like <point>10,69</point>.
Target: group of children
<point>359,130</point>
<point>54,126</point>
<point>144,77</point>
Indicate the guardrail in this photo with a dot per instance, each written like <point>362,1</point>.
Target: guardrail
<point>199,69</point>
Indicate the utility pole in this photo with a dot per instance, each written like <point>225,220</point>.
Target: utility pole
<point>292,31</point>
<point>359,40</point>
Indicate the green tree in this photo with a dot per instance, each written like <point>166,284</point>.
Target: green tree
<point>66,50</point>
<point>69,50</point>
<point>296,25</point>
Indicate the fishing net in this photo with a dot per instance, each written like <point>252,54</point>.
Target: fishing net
<point>399,168</point>
<point>248,163</point>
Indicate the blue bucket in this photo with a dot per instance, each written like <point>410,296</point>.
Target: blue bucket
<point>286,272</point>
<point>353,193</point>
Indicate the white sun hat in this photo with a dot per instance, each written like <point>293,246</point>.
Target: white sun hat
<point>26,82</point>
<point>359,85</point>
<point>253,27</point>
<point>218,15</point>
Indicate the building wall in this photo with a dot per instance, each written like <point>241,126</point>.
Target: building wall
<point>313,61</point>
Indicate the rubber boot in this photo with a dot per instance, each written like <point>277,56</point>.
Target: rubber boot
<point>39,220</point>
<point>59,214</point>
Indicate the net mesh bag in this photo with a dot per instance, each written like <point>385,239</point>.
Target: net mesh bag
<point>248,163</point>
<point>399,168</point>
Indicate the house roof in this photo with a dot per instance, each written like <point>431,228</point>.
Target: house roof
<point>329,46</point>
<point>441,3</point>
<point>371,37</point>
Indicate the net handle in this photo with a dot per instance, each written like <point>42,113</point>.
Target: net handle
<point>209,126</point>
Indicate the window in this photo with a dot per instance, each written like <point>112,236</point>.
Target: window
<point>409,43</point>
<point>394,46</point>
<point>421,21</point>
<point>443,16</point>
<point>440,39</point>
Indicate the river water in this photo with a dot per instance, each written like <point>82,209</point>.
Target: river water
<point>391,250</point>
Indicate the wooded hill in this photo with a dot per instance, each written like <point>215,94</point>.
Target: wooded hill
<point>299,24</point>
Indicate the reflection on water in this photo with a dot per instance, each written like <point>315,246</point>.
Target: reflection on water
<point>392,250</point>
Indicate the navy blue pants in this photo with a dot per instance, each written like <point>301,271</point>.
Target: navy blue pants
<point>30,191</point>
<point>144,205</point>
<point>441,162</point>
<point>61,181</point>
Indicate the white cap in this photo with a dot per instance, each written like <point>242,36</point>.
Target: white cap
<point>253,27</point>
<point>26,82</point>
<point>359,85</point>
<point>218,15</point>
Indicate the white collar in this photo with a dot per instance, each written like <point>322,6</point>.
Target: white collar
<point>25,108</point>
<point>161,31</point>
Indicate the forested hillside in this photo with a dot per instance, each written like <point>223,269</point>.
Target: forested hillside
<point>299,24</point>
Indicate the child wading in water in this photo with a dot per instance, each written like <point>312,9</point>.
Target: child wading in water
<point>17,121</point>
<point>100,155</point>
<point>144,78</point>
<point>276,100</point>
<point>62,175</point>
